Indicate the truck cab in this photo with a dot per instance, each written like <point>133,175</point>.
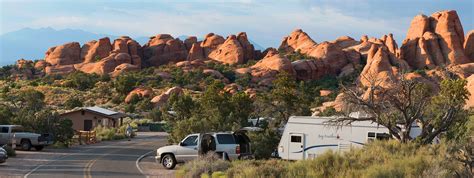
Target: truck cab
<point>15,134</point>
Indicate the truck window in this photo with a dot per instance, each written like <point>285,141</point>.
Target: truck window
<point>296,139</point>
<point>17,129</point>
<point>225,139</point>
<point>190,141</point>
<point>382,136</point>
<point>4,130</point>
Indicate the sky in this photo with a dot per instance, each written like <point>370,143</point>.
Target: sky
<point>265,21</point>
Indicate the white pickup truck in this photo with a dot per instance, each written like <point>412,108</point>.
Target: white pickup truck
<point>26,140</point>
<point>229,145</point>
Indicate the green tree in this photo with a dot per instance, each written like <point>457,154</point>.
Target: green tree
<point>73,102</point>
<point>284,100</point>
<point>125,83</point>
<point>81,81</point>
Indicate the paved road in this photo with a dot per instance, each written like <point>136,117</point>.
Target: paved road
<point>107,159</point>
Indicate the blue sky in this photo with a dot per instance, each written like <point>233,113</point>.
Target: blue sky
<point>265,21</point>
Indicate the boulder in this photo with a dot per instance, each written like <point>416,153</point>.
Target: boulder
<point>230,52</point>
<point>94,51</point>
<point>247,47</point>
<point>59,69</point>
<point>190,41</point>
<point>434,41</point>
<point>325,92</point>
<point>142,92</point>
<point>196,52</point>
<point>163,49</point>
<point>66,54</point>
<point>106,65</point>
<point>159,100</point>
<point>309,69</point>
<point>470,88</point>
<point>381,67</point>
<point>123,68</point>
<point>41,64</point>
<point>390,43</point>
<point>345,42</point>
<point>331,55</point>
<point>211,42</point>
<point>22,64</point>
<point>232,88</point>
<point>297,41</point>
<point>469,45</point>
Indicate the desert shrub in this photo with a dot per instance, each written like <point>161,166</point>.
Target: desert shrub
<point>206,164</point>
<point>10,151</point>
<point>263,143</point>
<point>72,103</point>
<point>81,81</point>
<point>377,159</point>
<point>125,83</point>
<point>258,168</point>
<point>105,133</point>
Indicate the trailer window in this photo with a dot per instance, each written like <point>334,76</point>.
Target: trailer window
<point>371,136</point>
<point>296,139</point>
<point>225,139</point>
<point>383,136</point>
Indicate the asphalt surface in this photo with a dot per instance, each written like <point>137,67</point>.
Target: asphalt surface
<point>107,159</point>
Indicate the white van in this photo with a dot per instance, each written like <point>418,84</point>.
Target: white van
<point>305,137</point>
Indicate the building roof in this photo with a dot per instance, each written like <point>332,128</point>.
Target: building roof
<point>99,111</point>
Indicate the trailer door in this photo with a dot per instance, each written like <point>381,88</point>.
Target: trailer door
<point>296,146</point>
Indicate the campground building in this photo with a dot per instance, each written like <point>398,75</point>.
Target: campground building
<point>87,118</point>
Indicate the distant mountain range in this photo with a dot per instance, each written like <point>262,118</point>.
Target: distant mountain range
<point>31,43</point>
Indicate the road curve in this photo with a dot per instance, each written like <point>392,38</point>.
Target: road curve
<point>114,159</point>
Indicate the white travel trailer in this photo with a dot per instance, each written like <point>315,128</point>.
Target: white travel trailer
<point>305,137</point>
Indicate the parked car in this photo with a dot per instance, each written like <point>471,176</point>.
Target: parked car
<point>25,140</point>
<point>3,154</point>
<point>228,145</point>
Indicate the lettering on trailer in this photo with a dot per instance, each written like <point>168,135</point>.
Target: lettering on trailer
<point>328,136</point>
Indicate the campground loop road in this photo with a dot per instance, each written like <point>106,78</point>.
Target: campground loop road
<point>114,159</point>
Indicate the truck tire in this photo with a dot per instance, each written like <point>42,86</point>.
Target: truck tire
<point>39,148</point>
<point>168,161</point>
<point>26,145</point>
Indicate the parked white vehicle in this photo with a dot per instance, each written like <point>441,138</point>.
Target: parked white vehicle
<point>3,154</point>
<point>229,145</point>
<point>26,140</point>
<point>305,137</point>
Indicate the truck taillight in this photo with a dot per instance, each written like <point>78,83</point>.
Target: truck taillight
<point>237,149</point>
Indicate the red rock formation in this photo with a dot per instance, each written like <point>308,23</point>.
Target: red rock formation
<point>140,92</point>
<point>469,45</point>
<point>264,71</point>
<point>434,41</point>
<point>159,100</point>
<point>310,69</point>
<point>196,52</point>
<point>162,49</point>
<point>189,42</point>
<point>40,65</point>
<point>230,52</point>
<point>297,41</point>
<point>123,68</point>
<point>247,47</point>
<point>69,53</point>
<point>211,42</point>
<point>96,50</point>
<point>381,67</point>
<point>22,63</point>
